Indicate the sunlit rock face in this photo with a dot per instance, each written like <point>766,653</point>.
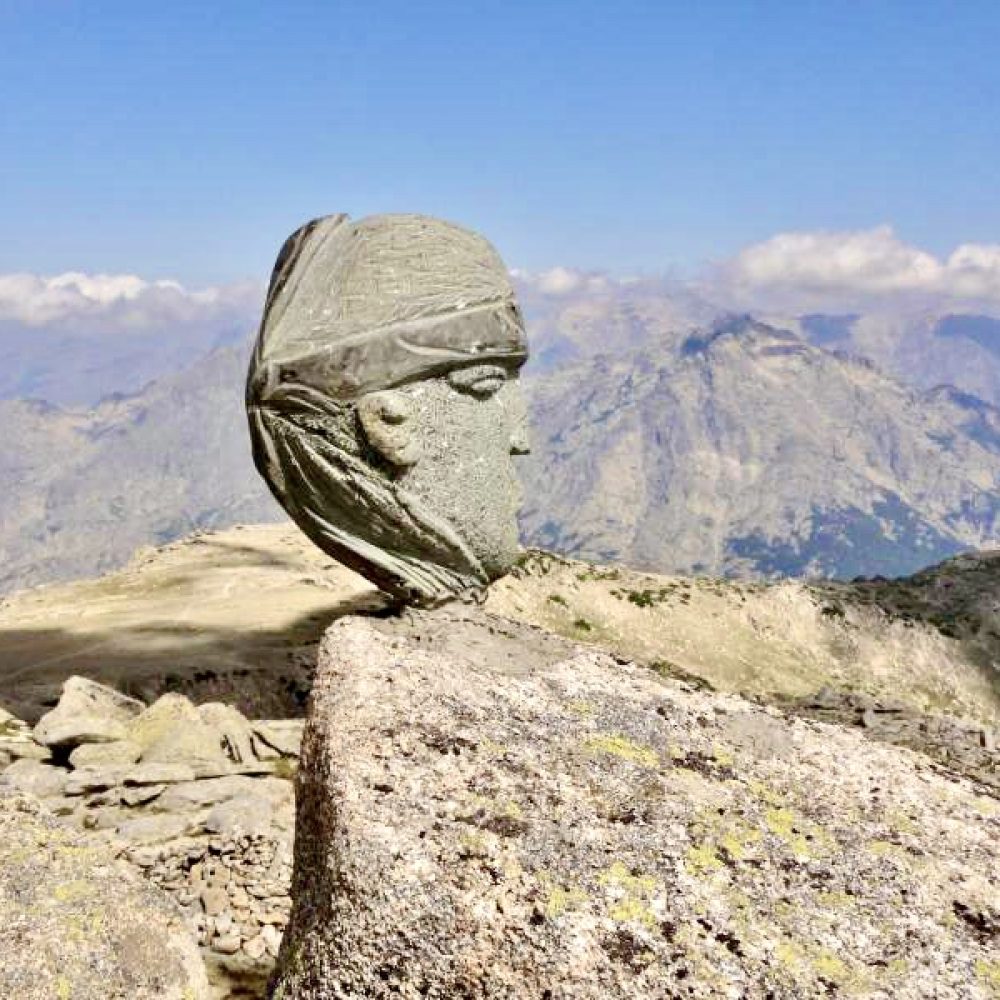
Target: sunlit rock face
<point>486,810</point>
<point>383,400</point>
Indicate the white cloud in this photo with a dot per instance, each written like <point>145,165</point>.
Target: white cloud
<point>108,303</point>
<point>803,271</point>
<point>559,281</point>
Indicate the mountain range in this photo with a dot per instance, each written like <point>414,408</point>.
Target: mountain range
<point>732,447</point>
<point>747,450</point>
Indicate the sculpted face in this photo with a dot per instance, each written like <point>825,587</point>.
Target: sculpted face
<point>452,442</point>
<point>384,404</point>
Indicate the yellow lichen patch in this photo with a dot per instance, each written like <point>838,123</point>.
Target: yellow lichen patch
<point>581,708</point>
<point>780,822</point>
<point>722,756</point>
<point>484,806</point>
<point>562,899</point>
<point>71,892</point>
<point>884,848</point>
<point>834,900</point>
<point>789,954</point>
<point>472,844</point>
<point>509,807</point>
<point>63,989</point>
<point>989,973</point>
<point>726,834</point>
<point>901,822</point>
<point>632,909</point>
<point>621,746</point>
<point>828,966</point>
<point>632,894</point>
<point>765,792</point>
<point>804,838</point>
<point>619,875</point>
<point>985,805</point>
<point>738,839</point>
<point>492,748</point>
<point>702,859</point>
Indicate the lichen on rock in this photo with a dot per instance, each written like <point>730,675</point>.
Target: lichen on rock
<point>75,924</point>
<point>465,830</point>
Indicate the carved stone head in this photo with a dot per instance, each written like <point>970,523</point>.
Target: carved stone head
<point>383,400</point>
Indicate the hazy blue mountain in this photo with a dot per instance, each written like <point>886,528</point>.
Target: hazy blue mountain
<point>751,451</point>
<point>925,349</point>
<point>83,489</point>
<point>738,448</point>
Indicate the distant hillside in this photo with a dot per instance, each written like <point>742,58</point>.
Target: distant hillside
<point>738,450</point>
<point>924,350</point>
<point>748,451</point>
<point>84,489</point>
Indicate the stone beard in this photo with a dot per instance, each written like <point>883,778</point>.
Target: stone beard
<point>384,403</point>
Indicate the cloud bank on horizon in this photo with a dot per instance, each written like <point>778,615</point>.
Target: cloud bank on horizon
<point>113,303</point>
<point>791,273</point>
<point>857,271</point>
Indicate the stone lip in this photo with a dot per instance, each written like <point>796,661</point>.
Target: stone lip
<point>560,823</point>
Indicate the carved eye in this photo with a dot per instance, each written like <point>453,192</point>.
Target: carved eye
<point>481,381</point>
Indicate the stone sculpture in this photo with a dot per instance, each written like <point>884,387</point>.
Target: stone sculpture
<point>383,400</point>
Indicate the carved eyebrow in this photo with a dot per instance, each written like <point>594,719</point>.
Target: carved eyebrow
<point>479,380</point>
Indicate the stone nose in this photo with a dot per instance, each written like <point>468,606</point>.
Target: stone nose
<point>520,441</point>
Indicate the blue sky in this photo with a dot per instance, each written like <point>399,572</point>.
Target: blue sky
<point>187,139</point>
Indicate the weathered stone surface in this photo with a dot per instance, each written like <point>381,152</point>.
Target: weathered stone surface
<point>383,400</point>
<point>75,924</point>
<point>235,732</point>
<point>87,712</point>
<point>35,778</point>
<point>247,814</point>
<point>209,791</point>
<point>154,774</point>
<point>95,779</point>
<point>16,742</point>
<point>155,828</point>
<point>172,731</point>
<point>20,749</point>
<point>105,754</point>
<point>565,825</point>
<point>284,736</point>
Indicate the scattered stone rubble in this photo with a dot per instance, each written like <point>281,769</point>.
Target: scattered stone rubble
<point>676,836</point>
<point>233,891</point>
<point>76,924</point>
<point>962,747</point>
<point>198,798</point>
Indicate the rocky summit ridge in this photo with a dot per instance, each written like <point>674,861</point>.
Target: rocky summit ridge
<point>603,783</point>
<point>486,812</point>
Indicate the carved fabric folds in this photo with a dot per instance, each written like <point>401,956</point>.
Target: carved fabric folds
<point>354,308</point>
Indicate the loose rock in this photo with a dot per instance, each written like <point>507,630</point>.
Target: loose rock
<point>35,778</point>
<point>87,712</point>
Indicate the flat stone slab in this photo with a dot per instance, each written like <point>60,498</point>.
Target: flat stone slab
<point>556,823</point>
